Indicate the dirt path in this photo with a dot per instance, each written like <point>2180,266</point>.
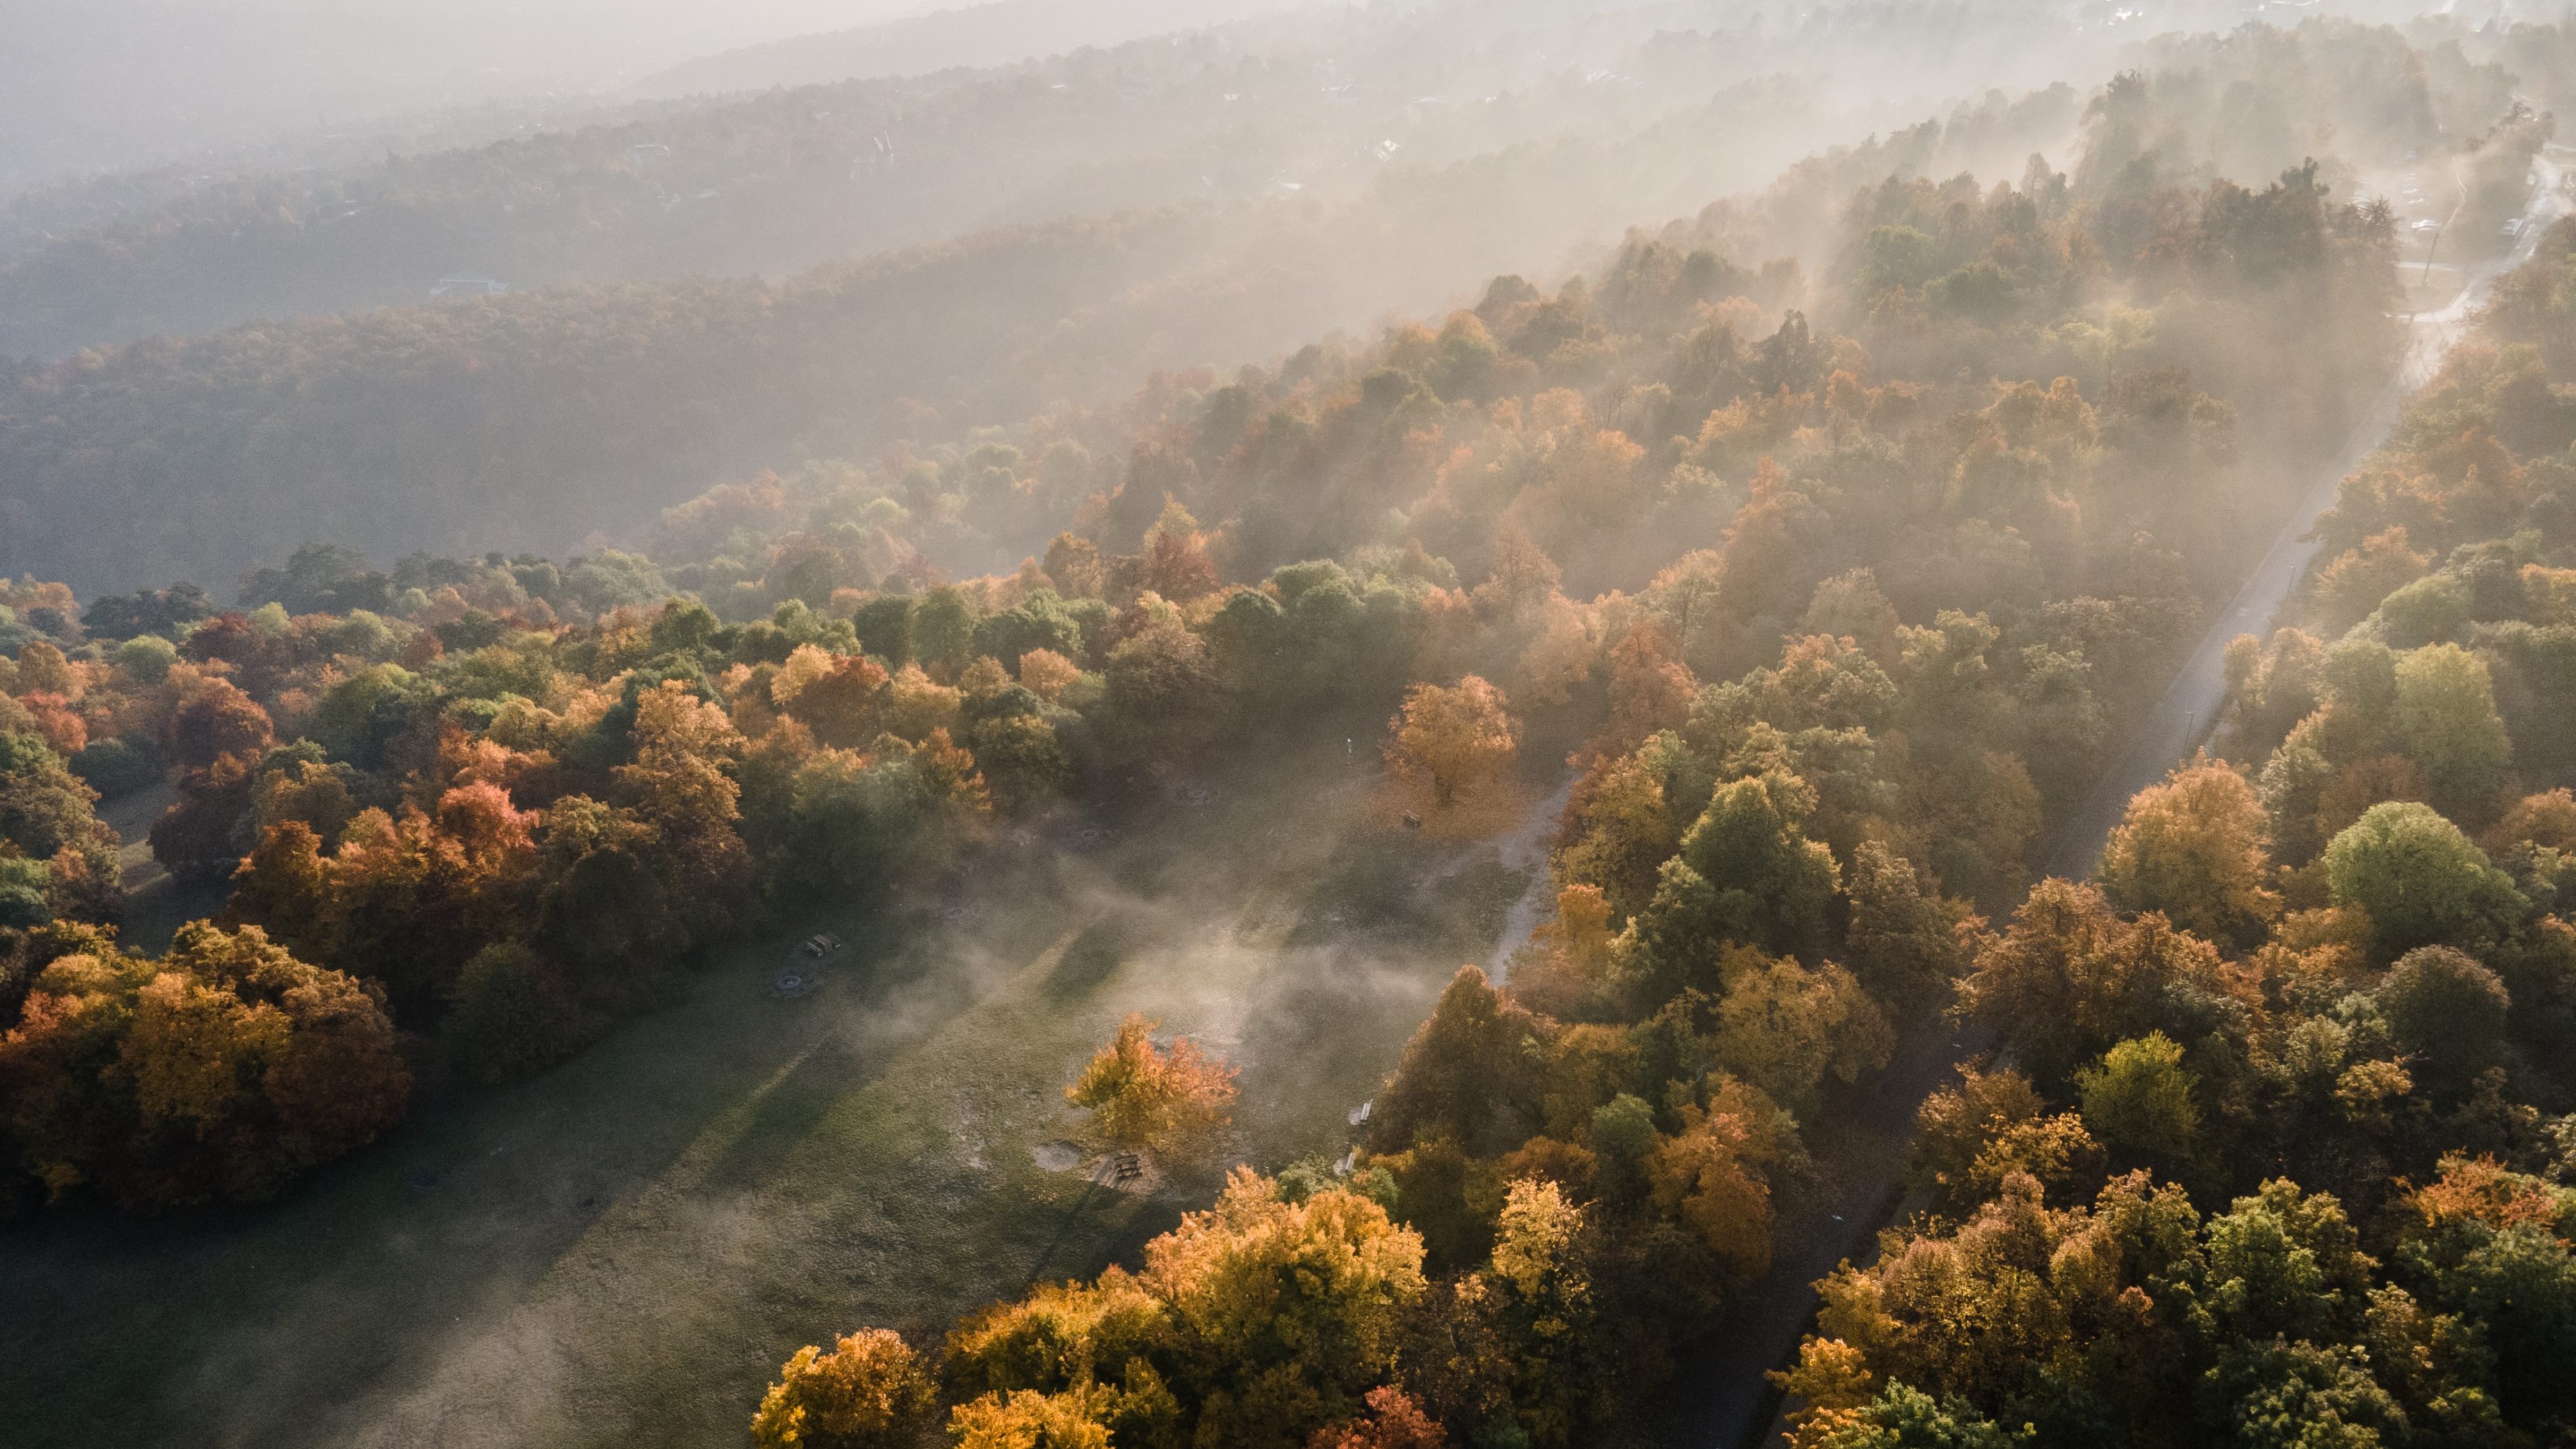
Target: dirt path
<point>1862,1153</point>
<point>1525,849</point>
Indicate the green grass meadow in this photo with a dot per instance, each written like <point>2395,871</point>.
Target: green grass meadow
<point>621,1251</point>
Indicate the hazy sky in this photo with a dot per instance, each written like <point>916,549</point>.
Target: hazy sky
<point>87,85</point>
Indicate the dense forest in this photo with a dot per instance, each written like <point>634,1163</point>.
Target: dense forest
<point>481,675</point>
<point>353,701</point>
<point>2278,1134</point>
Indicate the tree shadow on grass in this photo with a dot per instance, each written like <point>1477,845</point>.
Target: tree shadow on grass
<point>1087,962</point>
<point>464,1209</point>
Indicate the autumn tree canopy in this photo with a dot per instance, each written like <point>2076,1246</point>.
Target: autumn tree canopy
<point>1458,739</point>
<point>1143,1096</point>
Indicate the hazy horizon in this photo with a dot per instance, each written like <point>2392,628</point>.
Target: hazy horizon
<point>88,88</point>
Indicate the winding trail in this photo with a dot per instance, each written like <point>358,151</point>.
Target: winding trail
<point>1525,849</point>
<point>1861,1156</point>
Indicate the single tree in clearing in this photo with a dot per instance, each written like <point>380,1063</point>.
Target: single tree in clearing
<point>1458,739</point>
<point>1143,1097</point>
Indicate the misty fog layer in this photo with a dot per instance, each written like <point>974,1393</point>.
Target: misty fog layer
<point>1134,723</point>
<point>1266,164</point>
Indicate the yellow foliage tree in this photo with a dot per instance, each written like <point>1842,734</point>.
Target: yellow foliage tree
<point>1285,1312</point>
<point>1625,830</point>
<point>193,1043</point>
<point>219,1071</point>
<point>1047,674</point>
<point>1783,1028</point>
<point>1712,1179</point>
<point>1144,1097</point>
<point>870,1392</point>
<point>1254,1323</point>
<point>915,704</point>
<point>1568,967</point>
<point>1060,1336</point>
<point>1546,1307</point>
<point>1027,1419</point>
<point>1534,1239</point>
<point>1828,1389</point>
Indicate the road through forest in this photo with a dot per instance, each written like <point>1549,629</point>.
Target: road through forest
<point>1862,1158</point>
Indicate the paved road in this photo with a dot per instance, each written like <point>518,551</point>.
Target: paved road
<point>2182,719</point>
<point>1862,1157</point>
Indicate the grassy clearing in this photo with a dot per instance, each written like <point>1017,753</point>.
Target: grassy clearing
<point>622,1251</point>
<point>155,905</point>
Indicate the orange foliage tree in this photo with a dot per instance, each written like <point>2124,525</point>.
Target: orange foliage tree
<point>219,1071</point>
<point>2194,848</point>
<point>1455,739</point>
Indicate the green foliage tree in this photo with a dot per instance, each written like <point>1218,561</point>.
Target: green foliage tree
<point>2446,719</point>
<point>514,1013</point>
<point>1744,873</point>
<point>1904,1417</point>
<point>2419,880</point>
<point>1466,1074</point>
<point>942,628</point>
<point>24,890</point>
<point>43,805</point>
<point>1903,942</point>
<point>1622,1135</point>
<point>146,658</point>
<point>2447,1011</point>
<point>2138,1102</point>
<point>1161,684</point>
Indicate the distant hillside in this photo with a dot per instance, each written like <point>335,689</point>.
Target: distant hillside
<point>533,420</point>
<point>975,35</point>
<point>1317,103</point>
<point>521,420</point>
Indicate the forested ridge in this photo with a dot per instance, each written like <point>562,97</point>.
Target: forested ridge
<point>520,418</point>
<point>1830,534</point>
<point>443,426</point>
<point>532,422</point>
<point>776,181</point>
